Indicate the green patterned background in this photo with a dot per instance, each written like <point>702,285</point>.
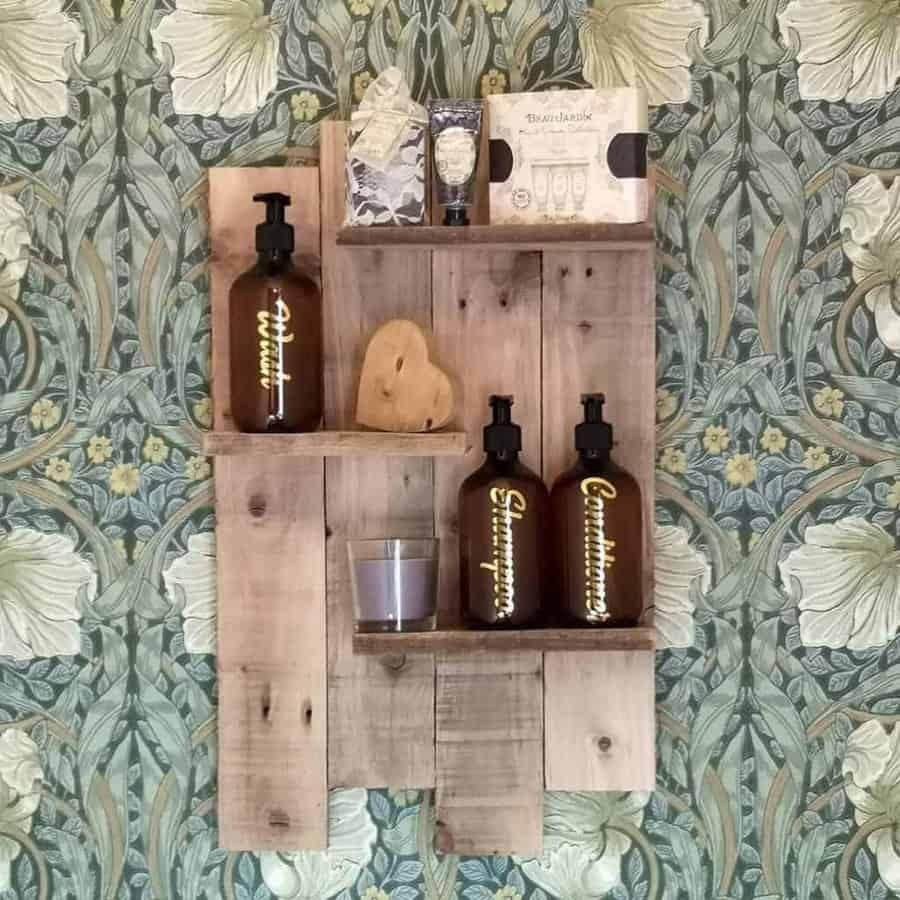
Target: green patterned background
<point>776,130</point>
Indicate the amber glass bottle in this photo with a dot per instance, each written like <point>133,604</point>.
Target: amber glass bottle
<point>502,508</point>
<point>275,313</point>
<point>596,510</point>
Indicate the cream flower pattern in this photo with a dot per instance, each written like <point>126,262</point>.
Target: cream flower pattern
<point>847,48</point>
<point>191,582</point>
<point>319,874</point>
<point>892,497</point>
<point>872,763</point>
<point>740,470</point>
<point>641,43</point>
<point>829,401</point>
<point>673,460</point>
<point>203,412</point>
<point>20,793</point>
<point>585,838</point>
<point>14,245</point>
<point>35,36</point>
<point>845,578</point>
<point>716,439</point>
<point>124,479</point>
<point>155,449</point>
<point>493,82</point>
<point>815,458</point>
<point>224,56</point>
<point>773,439</point>
<point>45,414</point>
<point>666,404</point>
<point>870,224</point>
<point>58,469</point>
<point>197,468</point>
<point>99,449</point>
<point>677,567</point>
<point>304,106</point>
<point>42,581</point>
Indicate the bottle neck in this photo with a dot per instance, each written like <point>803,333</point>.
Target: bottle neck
<point>594,457</point>
<point>273,257</point>
<point>503,457</point>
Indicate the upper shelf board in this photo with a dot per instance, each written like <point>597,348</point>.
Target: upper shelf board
<point>598,237</point>
<point>335,443</point>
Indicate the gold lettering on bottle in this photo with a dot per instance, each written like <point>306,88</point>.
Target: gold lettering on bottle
<point>272,329</point>
<point>598,555</point>
<point>507,505</point>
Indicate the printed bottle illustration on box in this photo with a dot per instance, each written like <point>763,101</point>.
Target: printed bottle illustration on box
<point>568,156</point>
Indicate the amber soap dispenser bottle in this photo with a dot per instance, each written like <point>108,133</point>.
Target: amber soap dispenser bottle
<point>275,315</point>
<point>596,512</point>
<point>502,508</point>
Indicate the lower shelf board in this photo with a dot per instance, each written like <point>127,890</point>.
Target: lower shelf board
<point>335,443</point>
<point>449,640</point>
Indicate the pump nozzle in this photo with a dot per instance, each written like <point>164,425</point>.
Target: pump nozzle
<point>274,234</point>
<point>502,435</point>
<point>593,434</point>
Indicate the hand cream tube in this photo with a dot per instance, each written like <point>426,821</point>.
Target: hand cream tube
<point>456,135</point>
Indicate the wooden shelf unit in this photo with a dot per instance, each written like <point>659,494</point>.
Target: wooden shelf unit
<point>335,443</point>
<point>465,640</point>
<point>488,730</point>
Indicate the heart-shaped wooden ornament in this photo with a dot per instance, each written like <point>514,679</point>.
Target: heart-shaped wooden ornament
<point>400,389</point>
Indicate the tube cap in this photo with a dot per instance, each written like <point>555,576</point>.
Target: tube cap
<point>593,433</point>
<point>502,435</point>
<point>455,215</point>
<point>274,233</point>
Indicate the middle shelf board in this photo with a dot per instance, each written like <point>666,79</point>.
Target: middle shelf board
<point>335,443</point>
<point>452,640</point>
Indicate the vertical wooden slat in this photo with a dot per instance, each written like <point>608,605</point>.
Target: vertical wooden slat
<point>598,335</point>
<point>489,754</point>
<point>271,575</point>
<point>381,712</point>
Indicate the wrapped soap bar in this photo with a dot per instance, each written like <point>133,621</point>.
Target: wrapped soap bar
<point>568,156</point>
<point>386,155</point>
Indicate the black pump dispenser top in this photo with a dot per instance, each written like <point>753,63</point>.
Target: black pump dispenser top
<point>502,435</point>
<point>593,434</point>
<point>274,234</point>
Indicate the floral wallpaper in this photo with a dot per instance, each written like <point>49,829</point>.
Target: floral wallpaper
<point>776,134</point>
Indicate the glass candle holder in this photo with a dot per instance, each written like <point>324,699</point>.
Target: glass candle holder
<point>394,583</point>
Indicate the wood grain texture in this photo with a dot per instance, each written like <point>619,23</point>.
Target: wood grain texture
<point>451,640</point>
<point>381,718</point>
<point>599,335</point>
<point>609,237</point>
<point>599,725</point>
<point>271,654</point>
<point>336,443</point>
<point>489,796</point>
<point>489,784</point>
<point>270,525</point>
<point>233,215</point>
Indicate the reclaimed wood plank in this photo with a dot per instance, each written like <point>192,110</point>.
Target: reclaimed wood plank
<point>271,625</point>
<point>599,335</point>
<point>487,330</point>
<point>381,712</point>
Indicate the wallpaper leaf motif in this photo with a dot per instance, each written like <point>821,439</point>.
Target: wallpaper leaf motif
<point>776,135</point>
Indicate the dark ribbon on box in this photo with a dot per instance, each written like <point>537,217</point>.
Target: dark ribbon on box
<point>626,156</point>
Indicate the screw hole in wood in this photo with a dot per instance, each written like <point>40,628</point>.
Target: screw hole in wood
<point>266,703</point>
<point>307,712</point>
<point>604,744</point>
<point>257,506</point>
<point>394,662</point>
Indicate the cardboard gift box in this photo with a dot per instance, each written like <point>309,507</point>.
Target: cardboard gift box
<point>568,156</point>
<point>386,156</point>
